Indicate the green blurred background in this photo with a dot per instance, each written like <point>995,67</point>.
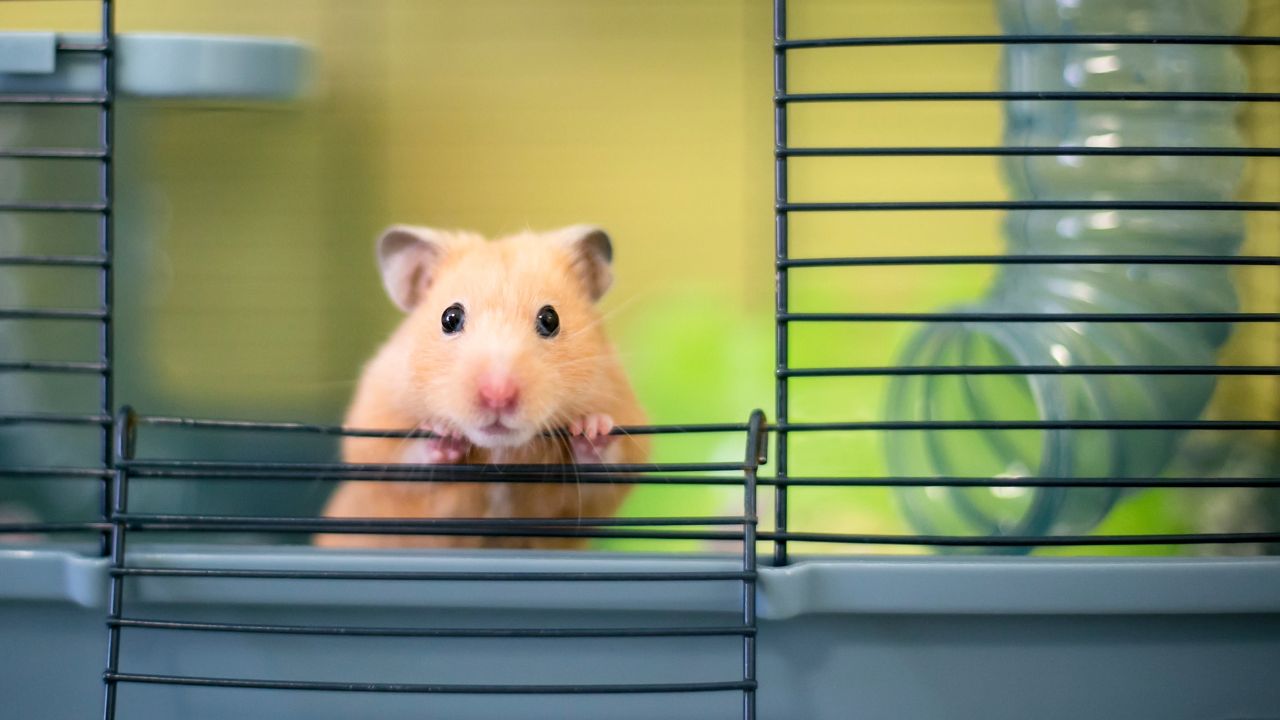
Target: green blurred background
<point>651,118</point>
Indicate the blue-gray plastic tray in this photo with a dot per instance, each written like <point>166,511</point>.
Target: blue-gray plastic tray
<point>159,66</point>
<point>991,638</point>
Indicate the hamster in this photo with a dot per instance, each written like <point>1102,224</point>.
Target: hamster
<point>502,343</point>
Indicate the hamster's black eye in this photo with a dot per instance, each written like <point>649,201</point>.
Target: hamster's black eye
<point>548,322</point>
<point>453,319</point>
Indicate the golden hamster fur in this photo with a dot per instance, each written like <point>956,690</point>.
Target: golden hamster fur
<point>502,343</point>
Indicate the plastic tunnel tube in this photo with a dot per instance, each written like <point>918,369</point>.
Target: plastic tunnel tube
<point>1085,288</point>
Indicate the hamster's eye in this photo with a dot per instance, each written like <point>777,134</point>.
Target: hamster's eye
<point>548,322</point>
<point>453,319</point>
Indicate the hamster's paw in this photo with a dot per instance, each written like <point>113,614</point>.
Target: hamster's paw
<point>449,446</point>
<point>589,437</point>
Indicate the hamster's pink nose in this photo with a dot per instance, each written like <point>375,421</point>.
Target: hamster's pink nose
<point>498,392</point>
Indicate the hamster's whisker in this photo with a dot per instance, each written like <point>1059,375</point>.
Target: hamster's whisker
<point>626,303</point>
<point>324,383</point>
<point>555,426</point>
<point>414,433</point>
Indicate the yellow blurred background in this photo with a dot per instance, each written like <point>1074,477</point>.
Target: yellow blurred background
<point>651,118</point>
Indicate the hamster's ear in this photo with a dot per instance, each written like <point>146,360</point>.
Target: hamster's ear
<point>408,257</point>
<point>592,253</point>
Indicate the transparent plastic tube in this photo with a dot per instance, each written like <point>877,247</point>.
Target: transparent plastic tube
<point>1082,288</point>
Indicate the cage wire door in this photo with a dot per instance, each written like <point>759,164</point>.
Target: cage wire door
<point>666,577</point>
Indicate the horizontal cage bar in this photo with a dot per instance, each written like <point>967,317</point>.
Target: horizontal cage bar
<point>53,419</point>
<point>491,471</point>
<point>54,154</point>
<point>165,421</point>
<point>1037,39</point>
<point>37,366</point>
<point>730,481</point>
<point>43,314</point>
<point>54,261</point>
<point>1028,95</point>
<point>335,526</point>
<point>1030,317</point>
<point>414,475</point>
<point>1016,151</point>
<point>831,372</point>
<point>842,538</point>
<point>37,528</point>
<point>1026,540</point>
<point>1029,260</point>
<point>921,206</point>
<point>1033,425</point>
<point>49,99</point>
<point>990,482</point>
<point>142,520</point>
<point>96,48</point>
<point>435,576</point>
<point>54,207</point>
<point>429,688</point>
<point>54,472</point>
<point>357,631</point>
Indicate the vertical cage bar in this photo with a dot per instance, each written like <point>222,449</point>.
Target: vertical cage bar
<point>757,444</point>
<point>780,274</point>
<point>117,438</point>
<point>106,223</point>
<point>123,443</point>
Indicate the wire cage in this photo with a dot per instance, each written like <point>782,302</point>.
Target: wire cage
<point>193,630</point>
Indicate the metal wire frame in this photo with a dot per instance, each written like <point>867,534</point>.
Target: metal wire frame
<point>1172,205</point>
<point>1029,39</point>
<point>1024,95</point>
<point>100,316</point>
<point>782,293</point>
<point>687,528</point>
<point>120,465</point>
<point>785,264</point>
<point>101,263</point>
<point>102,99</point>
<point>782,44</point>
<point>123,522</point>
<point>1082,259</point>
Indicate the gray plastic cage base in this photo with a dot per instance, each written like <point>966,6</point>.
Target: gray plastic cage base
<point>990,638</point>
